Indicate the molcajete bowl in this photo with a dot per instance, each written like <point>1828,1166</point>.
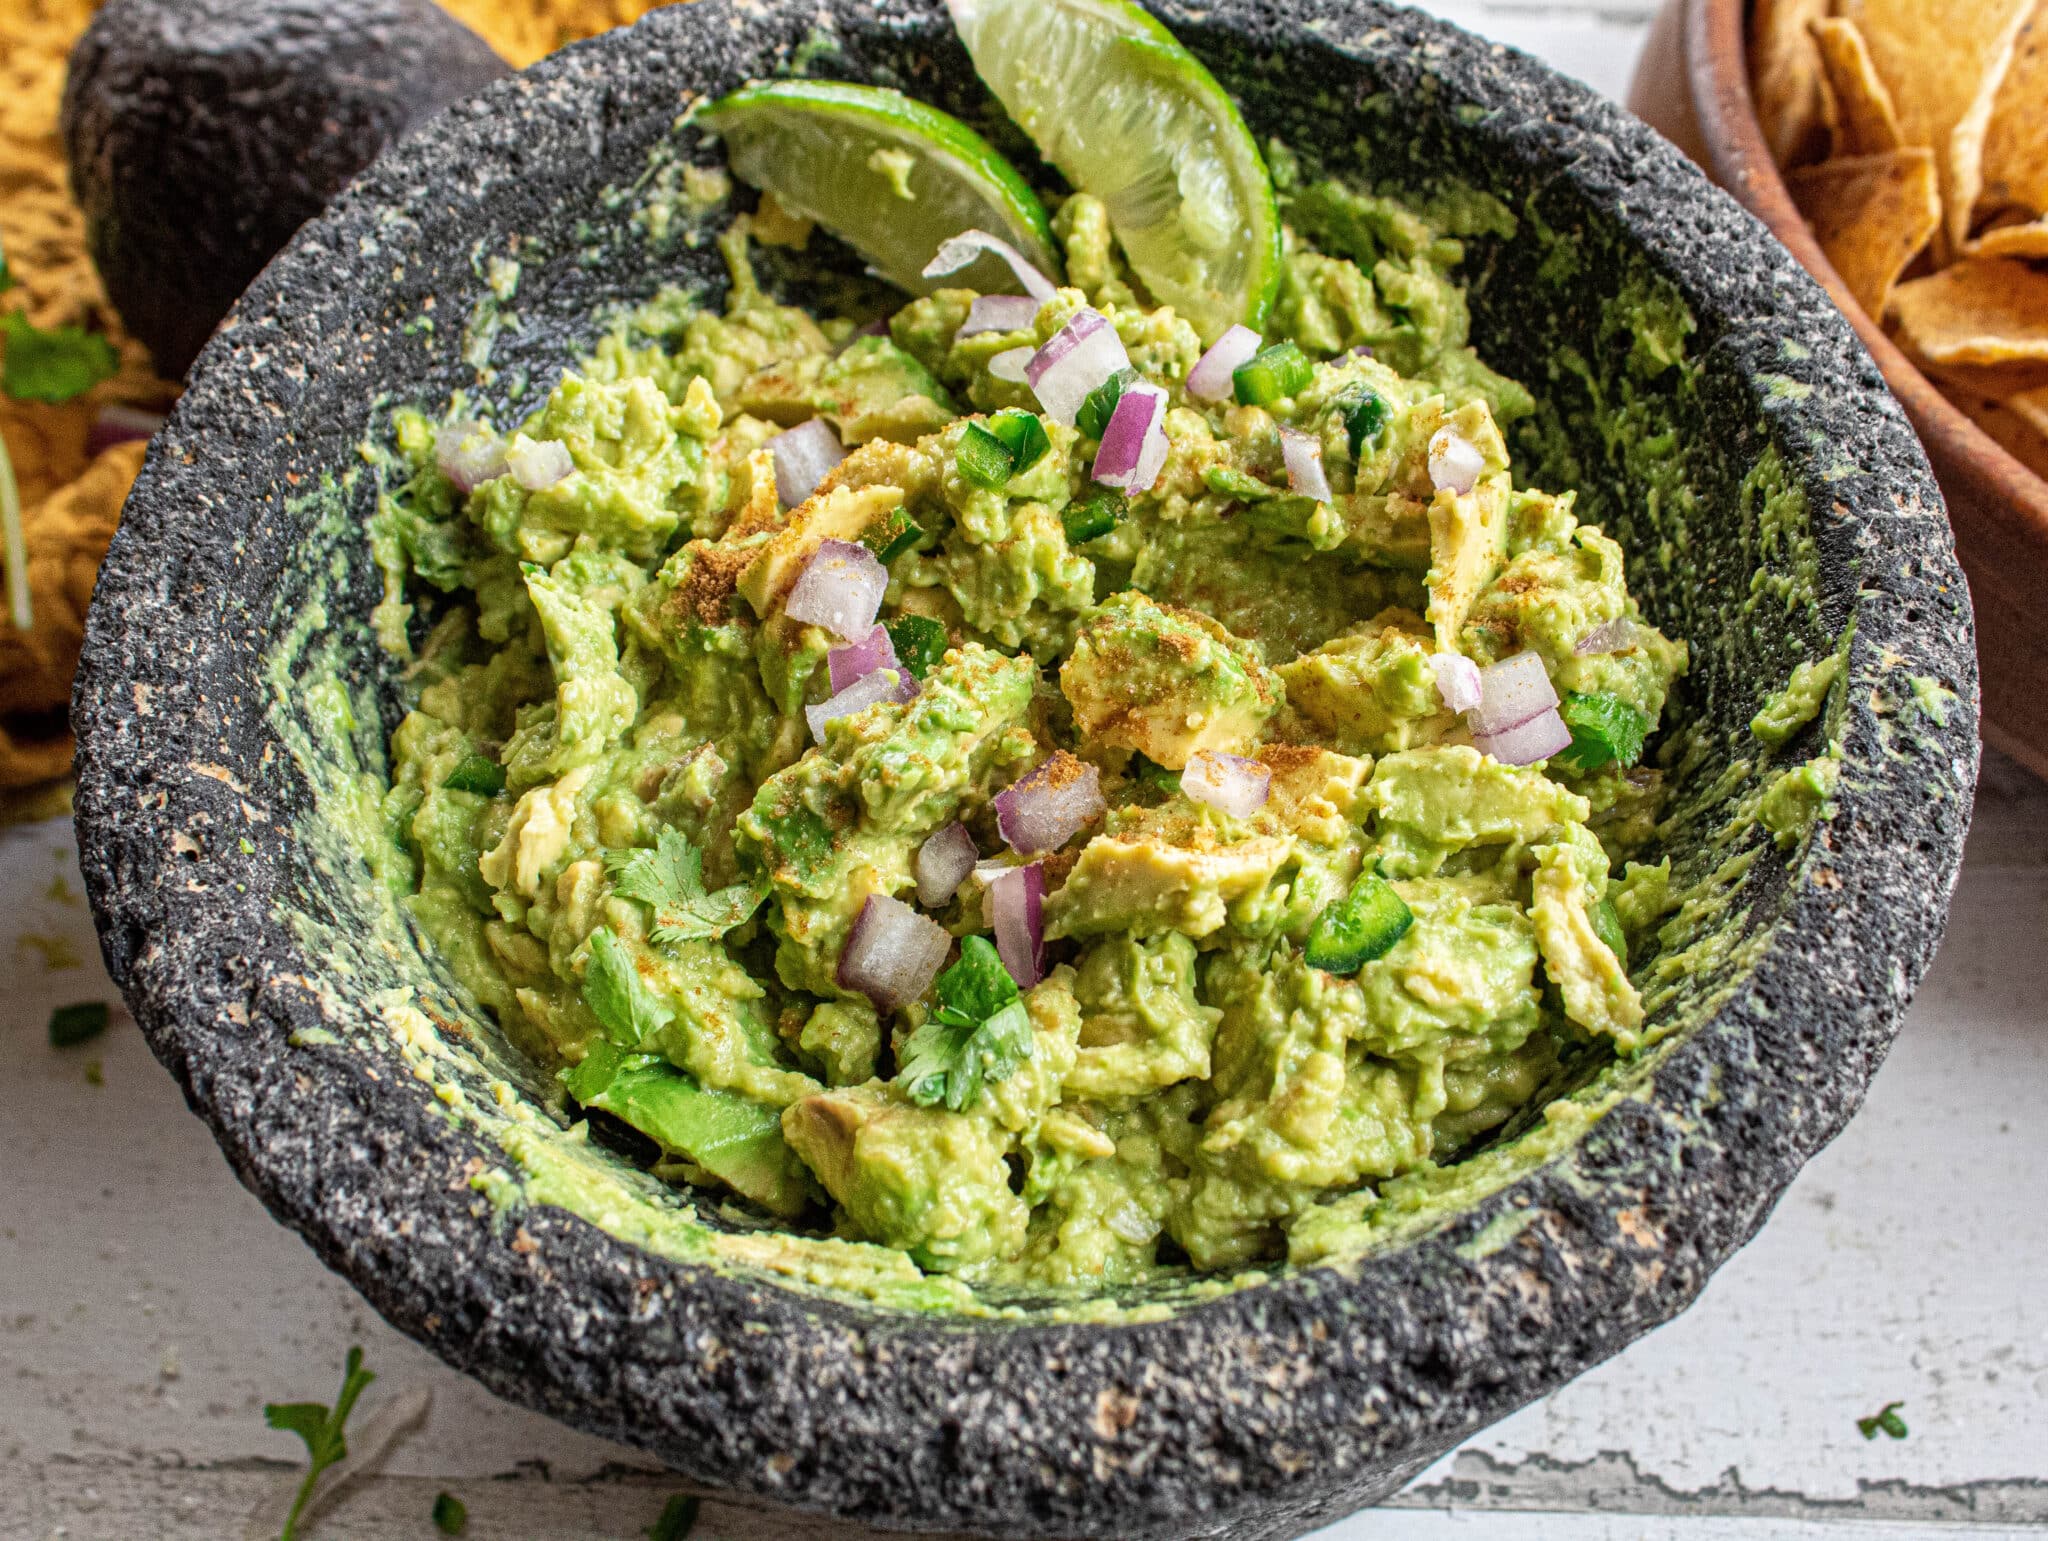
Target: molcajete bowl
<point>1712,409</point>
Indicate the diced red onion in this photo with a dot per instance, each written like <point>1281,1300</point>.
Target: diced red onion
<point>1511,692</point>
<point>1455,463</point>
<point>1045,809</point>
<point>469,454</point>
<point>943,862</point>
<point>1210,379</point>
<point>1527,742</point>
<point>1457,680</point>
<point>879,327</point>
<point>1075,359</point>
<point>1615,636</point>
<point>840,589</point>
<point>1012,364</point>
<point>1134,441</point>
<point>1229,783</point>
<point>1303,453</point>
<point>963,250</point>
<point>803,456</point>
<point>869,690</point>
<point>1018,900</point>
<point>862,658</point>
<point>539,466</point>
<point>999,313</point>
<point>1363,350</point>
<point>116,424</point>
<point>892,953</point>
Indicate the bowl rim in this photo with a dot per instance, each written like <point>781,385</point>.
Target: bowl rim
<point>1297,1396</point>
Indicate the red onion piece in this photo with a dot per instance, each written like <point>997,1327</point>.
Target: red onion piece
<point>1077,358</point>
<point>943,862</point>
<point>1042,811</point>
<point>840,589</point>
<point>116,424</point>
<point>469,454</point>
<point>879,327</point>
<point>869,690</point>
<point>862,658</point>
<point>1457,680</point>
<point>1134,441</point>
<point>1012,364</point>
<point>1018,900</point>
<point>1527,742</point>
<point>1229,783</point>
<point>1303,453</point>
<point>803,456</point>
<point>1455,463</point>
<point>539,466</point>
<point>1615,636</point>
<point>1511,692</point>
<point>963,250</point>
<point>1363,350</point>
<point>892,953</point>
<point>1210,379</point>
<point>999,313</point>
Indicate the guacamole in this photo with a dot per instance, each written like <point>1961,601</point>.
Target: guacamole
<point>1057,875</point>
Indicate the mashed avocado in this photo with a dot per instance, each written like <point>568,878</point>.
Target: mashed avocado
<point>633,844</point>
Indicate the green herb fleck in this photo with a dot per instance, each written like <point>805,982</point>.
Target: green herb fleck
<point>678,1519</point>
<point>1886,1419</point>
<point>6,272</point>
<point>1149,772</point>
<point>1099,405</point>
<point>978,1034</point>
<point>890,537</point>
<point>95,1073</point>
<point>1361,926</point>
<point>451,1515</point>
<point>1365,414</point>
<point>477,772</point>
<point>321,1428</point>
<point>1094,518</point>
<point>72,1025</point>
<point>1604,727</point>
<point>625,1005</point>
<point>52,365</point>
<point>1023,435</point>
<point>1271,374</point>
<point>1606,922</point>
<point>983,460</point>
<point>670,881</point>
<point>920,643</point>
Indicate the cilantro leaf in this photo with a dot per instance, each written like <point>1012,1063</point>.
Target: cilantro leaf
<point>451,1515</point>
<point>72,1025</point>
<point>669,880</point>
<point>321,1428</point>
<point>977,1036</point>
<point>1887,1419</point>
<point>55,364</point>
<point>678,1519</point>
<point>628,1010</point>
<point>1604,727</point>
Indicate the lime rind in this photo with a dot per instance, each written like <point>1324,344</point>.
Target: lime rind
<point>891,176</point>
<point>1125,112</point>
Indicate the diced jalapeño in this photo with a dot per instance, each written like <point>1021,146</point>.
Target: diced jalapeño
<point>920,643</point>
<point>1093,518</point>
<point>1100,405</point>
<point>1271,374</point>
<point>1361,926</point>
<point>1023,435</point>
<point>1365,414</point>
<point>983,459</point>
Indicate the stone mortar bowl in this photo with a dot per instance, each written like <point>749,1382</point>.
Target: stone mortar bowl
<point>234,705</point>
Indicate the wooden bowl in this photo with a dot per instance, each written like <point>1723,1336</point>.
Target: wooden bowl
<point>1692,84</point>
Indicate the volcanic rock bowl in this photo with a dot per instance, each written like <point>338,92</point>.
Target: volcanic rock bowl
<point>1711,408</point>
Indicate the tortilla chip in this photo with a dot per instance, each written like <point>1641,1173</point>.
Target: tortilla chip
<point>1785,76</point>
<point>1944,61</point>
<point>2027,241</point>
<point>1981,311</point>
<point>2019,424</point>
<point>1864,121</point>
<point>2016,143</point>
<point>1872,214</point>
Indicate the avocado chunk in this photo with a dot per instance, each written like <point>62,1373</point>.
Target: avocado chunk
<point>203,133</point>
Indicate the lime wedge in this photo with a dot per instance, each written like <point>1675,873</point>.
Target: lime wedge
<point>890,176</point>
<point>1129,115</point>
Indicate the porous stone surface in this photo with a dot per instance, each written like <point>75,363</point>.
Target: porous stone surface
<point>1261,1413</point>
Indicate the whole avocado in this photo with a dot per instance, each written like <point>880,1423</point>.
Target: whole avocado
<point>203,133</point>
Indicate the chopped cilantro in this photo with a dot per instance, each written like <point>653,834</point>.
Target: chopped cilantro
<point>1149,772</point>
<point>624,1005</point>
<point>451,1515</point>
<point>1099,405</point>
<point>1606,921</point>
<point>54,364</point>
<point>477,773</point>
<point>1604,727</point>
<point>670,881</point>
<point>1271,374</point>
<point>1093,519</point>
<point>1365,414</point>
<point>1886,1419</point>
<point>977,1035</point>
<point>920,643</point>
<point>1361,926</point>
<point>983,460</point>
<point>800,842</point>
<point>321,1428</point>
<point>1023,435</point>
<point>678,1519</point>
<point>72,1025</point>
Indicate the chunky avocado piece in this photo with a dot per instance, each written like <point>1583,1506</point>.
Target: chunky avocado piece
<point>872,390</point>
<point>203,133</point>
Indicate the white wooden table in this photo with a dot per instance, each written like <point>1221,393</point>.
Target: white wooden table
<point>149,1307</point>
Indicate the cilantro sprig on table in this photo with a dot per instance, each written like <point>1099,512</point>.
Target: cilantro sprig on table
<point>321,1428</point>
<point>49,364</point>
<point>678,1519</point>
<point>977,1036</point>
<point>1886,1419</point>
<point>669,880</point>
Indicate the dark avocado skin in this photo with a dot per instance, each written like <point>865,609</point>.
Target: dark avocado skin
<point>203,133</point>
